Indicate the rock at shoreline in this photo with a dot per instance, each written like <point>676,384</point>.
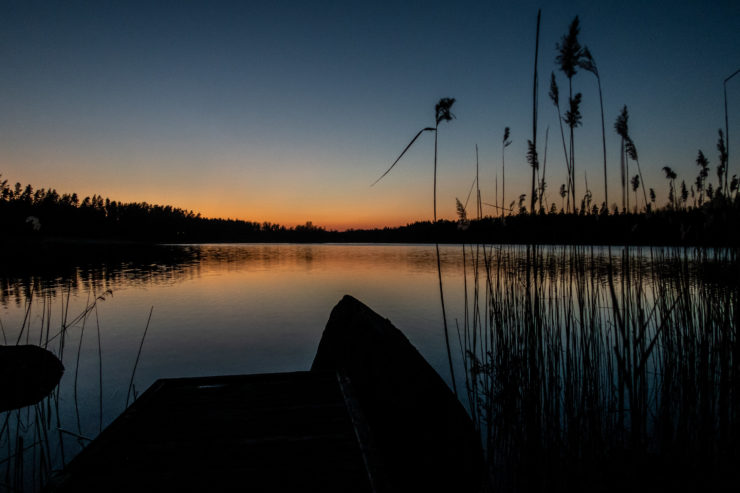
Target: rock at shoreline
<point>27,375</point>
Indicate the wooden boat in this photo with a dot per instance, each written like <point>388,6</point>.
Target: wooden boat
<point>422,432</point>
<point>370,416</point>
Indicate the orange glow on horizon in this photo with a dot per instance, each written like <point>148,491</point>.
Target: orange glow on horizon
<point>339,222</point>
<point>333,206</point>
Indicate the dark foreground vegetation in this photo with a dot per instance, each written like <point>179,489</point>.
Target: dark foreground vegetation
<point>593,373</point>
<point>585,374</point>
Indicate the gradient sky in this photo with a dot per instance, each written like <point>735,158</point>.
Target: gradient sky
<point>288,111</point>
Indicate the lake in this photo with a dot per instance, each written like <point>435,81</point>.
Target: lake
<point>223,309</point>
<point>217,309</point>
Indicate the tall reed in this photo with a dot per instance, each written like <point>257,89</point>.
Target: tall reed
<point>568,59</point>
<point>505,142</point>
<point>532,154</point>
<point>587,368</point>
<point>588,63</point>
<point>442,113</point>
<point>38,440</point>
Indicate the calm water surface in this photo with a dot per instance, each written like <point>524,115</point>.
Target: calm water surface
<point>226,309</point>
<point>216,309</point>
<point>220,309</point>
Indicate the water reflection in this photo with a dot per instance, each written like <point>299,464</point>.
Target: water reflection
<point>94,268</point>
<point>231,309</point>
<point>47,269</point>
<point>90,267</point>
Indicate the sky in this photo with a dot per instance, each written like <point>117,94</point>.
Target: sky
<point>287,112</point>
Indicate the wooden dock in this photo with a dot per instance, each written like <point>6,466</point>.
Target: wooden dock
<point>271,432</point>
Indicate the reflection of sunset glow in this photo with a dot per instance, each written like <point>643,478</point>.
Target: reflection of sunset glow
<point>228,309</point>
<point>253,308</point>
<point>351,261</point>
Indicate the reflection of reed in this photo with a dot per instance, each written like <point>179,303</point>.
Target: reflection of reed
<point>35,435</point>
<point>587,373</point>
<point>37,440</point>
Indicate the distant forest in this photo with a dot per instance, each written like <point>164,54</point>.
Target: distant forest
<point>27,214</point>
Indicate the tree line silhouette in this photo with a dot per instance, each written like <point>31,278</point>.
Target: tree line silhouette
<point>697,212</point>
<point>708,219</point>
<point>26,212</point>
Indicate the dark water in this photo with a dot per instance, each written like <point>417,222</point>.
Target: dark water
<point>233,308</point>
<point>217,309</point>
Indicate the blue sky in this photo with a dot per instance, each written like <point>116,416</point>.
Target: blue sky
<point>288,111</point>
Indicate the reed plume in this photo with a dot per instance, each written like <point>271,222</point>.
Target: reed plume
<point>703,163</point>
<point>620,126</point>
<point>505,143</point>
<point>569,54</point>
<point>671,177</point>
<point>588,64</point>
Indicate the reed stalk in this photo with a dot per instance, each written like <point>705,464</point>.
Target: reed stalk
<point>593,360</point>
<point>138,355</point>
<point>535,167</point>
